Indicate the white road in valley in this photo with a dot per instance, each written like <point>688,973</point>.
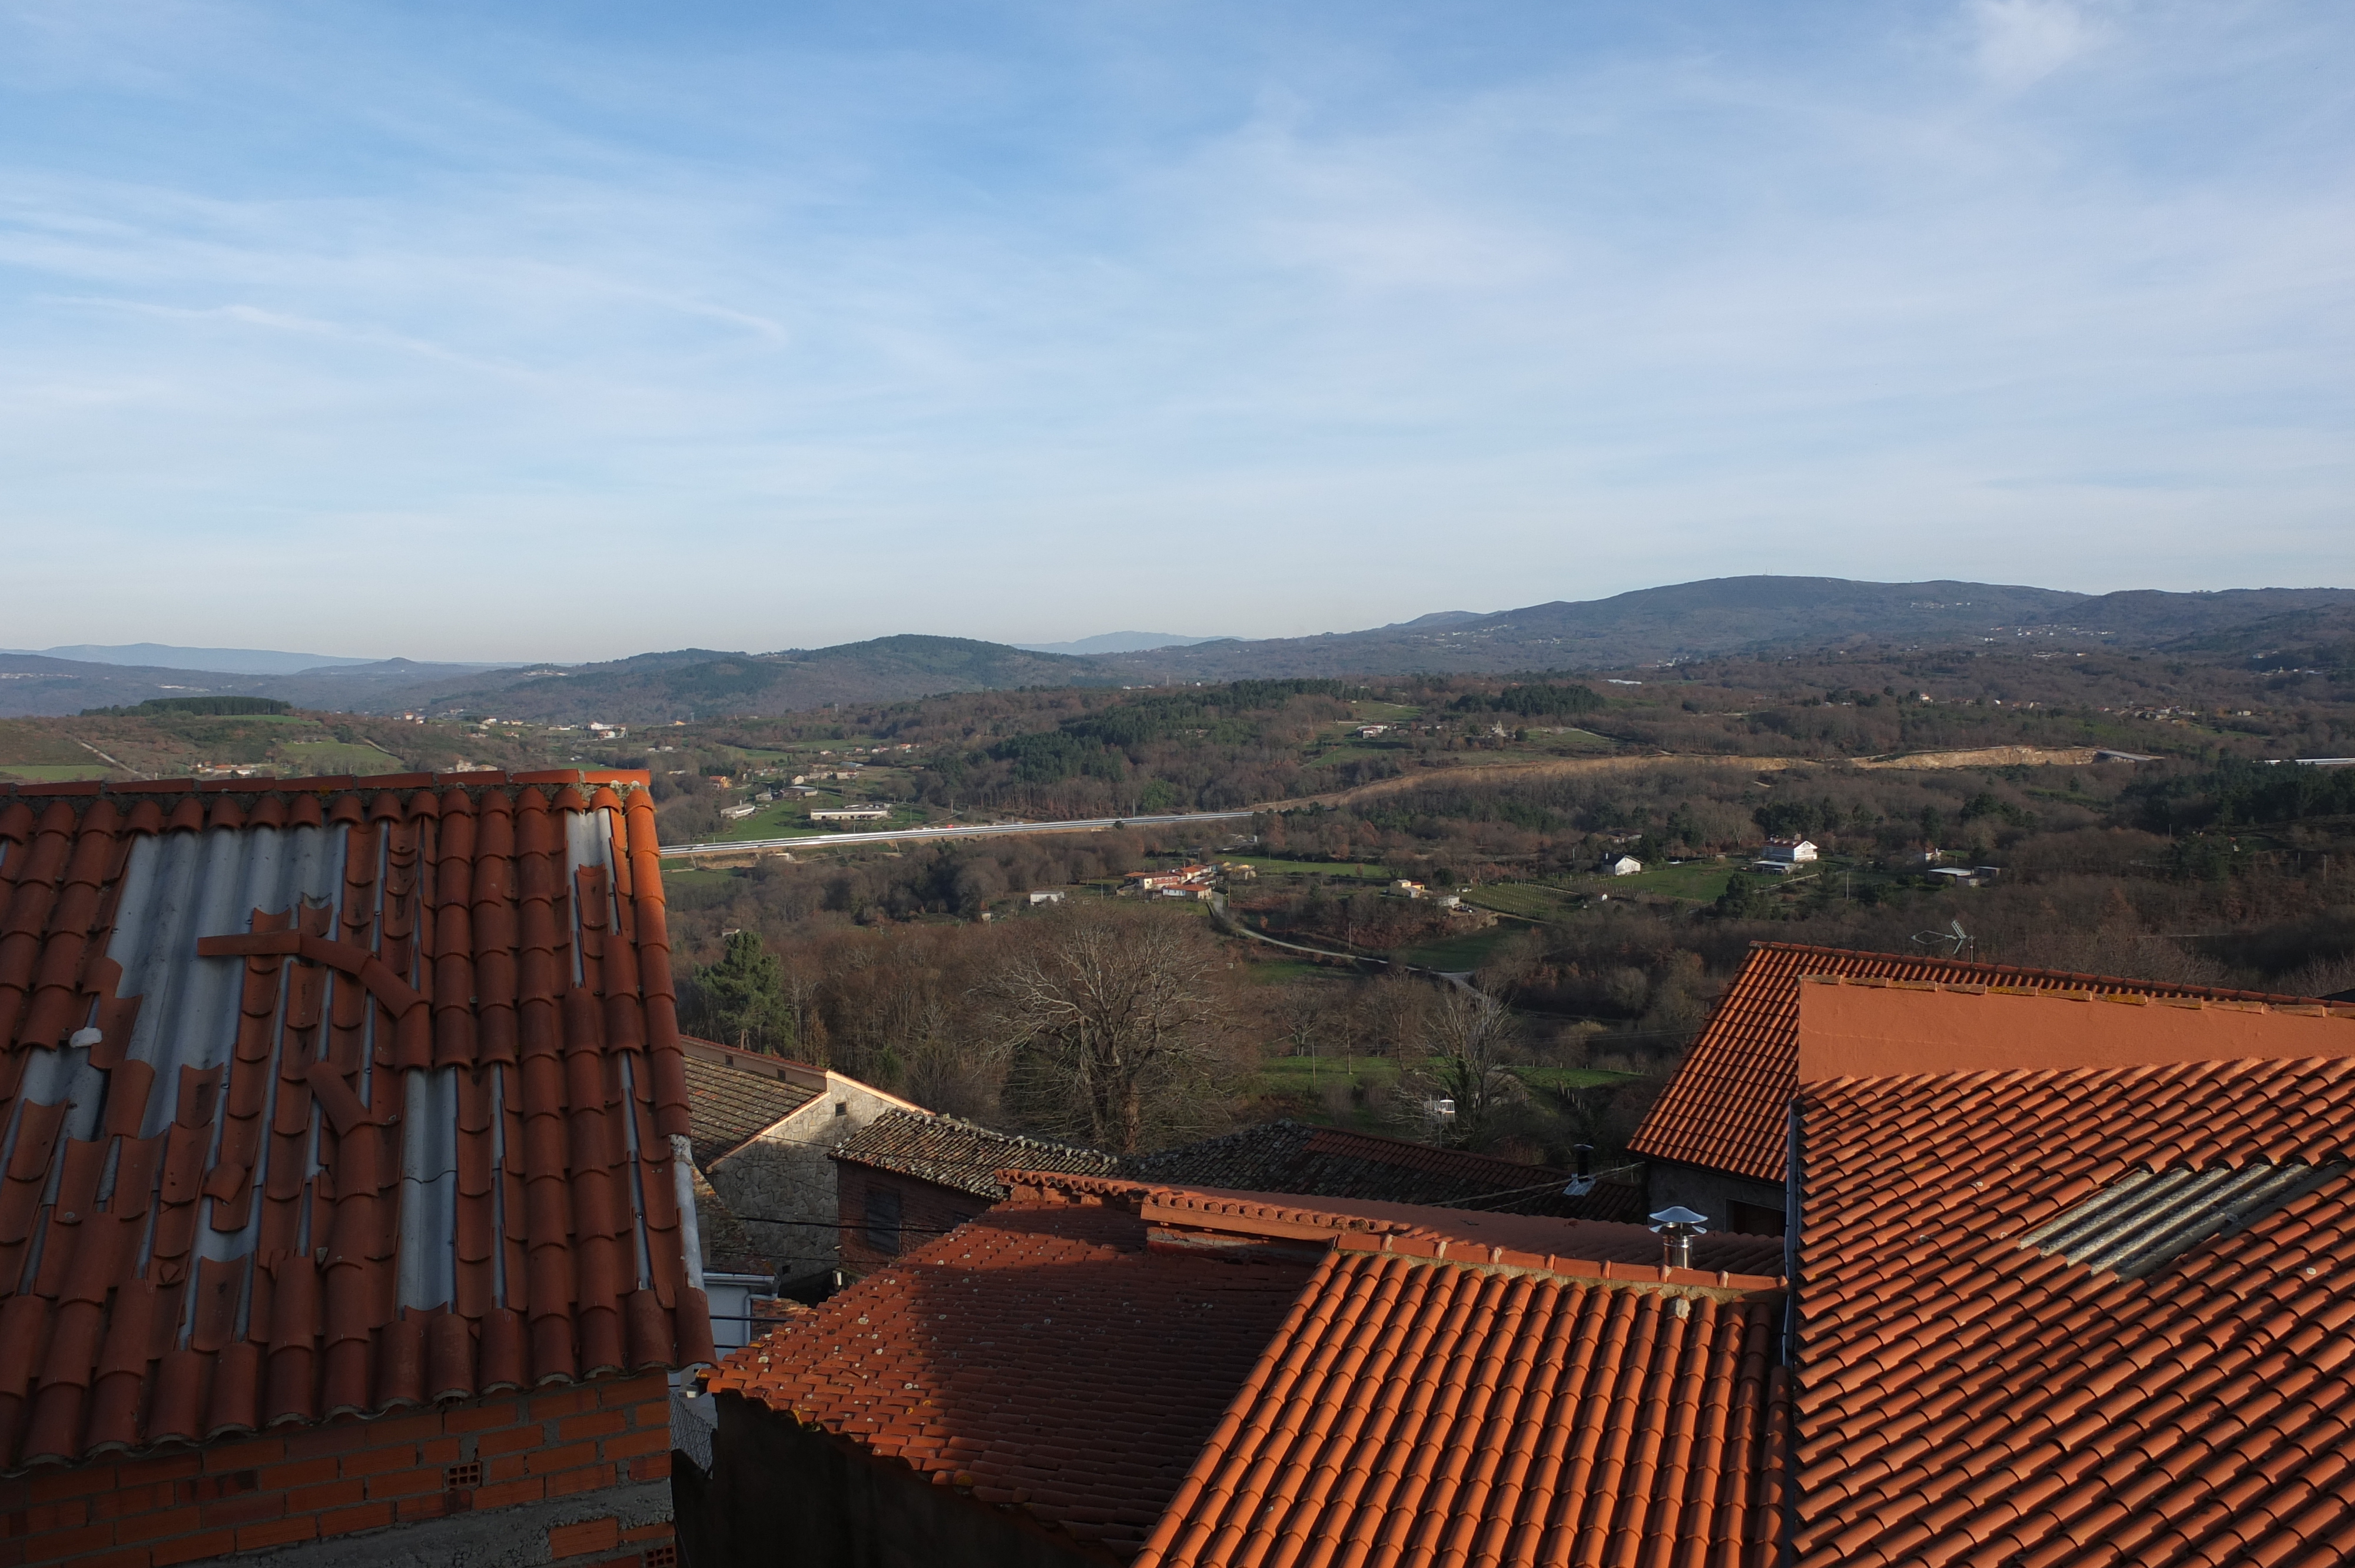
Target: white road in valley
<point>903,835</point>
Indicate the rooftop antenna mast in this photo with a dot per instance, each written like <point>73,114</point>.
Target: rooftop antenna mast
<point>1954,937</point>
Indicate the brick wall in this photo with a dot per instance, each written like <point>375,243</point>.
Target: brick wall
<point>317,1482</point>
<point>926,1210</point>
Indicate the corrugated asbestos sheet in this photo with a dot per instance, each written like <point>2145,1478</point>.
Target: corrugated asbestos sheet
<point>331,1098</point>
<point>2144,1222</point>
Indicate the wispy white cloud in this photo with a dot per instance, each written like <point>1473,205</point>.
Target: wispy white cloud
<point>2022,41</point>
<point>590,342</point>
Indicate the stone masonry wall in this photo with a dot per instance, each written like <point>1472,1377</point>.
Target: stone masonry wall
<point>783,1176</point>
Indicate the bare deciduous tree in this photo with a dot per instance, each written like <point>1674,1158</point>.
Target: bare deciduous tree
<point>1467,1039</point>
<point>1114,1028</point>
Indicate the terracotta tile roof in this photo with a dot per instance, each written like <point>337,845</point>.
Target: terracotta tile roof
<point>1334,1162</point>
<point>1411,1412</point>
<point>960,1154</point>
<point>1374,1376</point>
<point>1725,1107</point>
<point>330,1096</point>
<point>734,1095</point>
<point>1972,1395</point>
<point>1039,1355</point>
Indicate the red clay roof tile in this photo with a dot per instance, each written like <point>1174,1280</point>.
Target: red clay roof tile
<point>372,939</point>
<point>2192,1415</point>
<point>1724,1108</point>
<point>1339,1399</point>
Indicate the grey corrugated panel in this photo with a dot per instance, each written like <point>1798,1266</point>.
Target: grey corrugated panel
<point>2144,1221</point>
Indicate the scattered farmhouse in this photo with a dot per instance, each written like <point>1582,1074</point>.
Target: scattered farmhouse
<point>1195,875</point>
<point>850,814</point>
<point>347,1190</point>
<point>1623,865</point>
<point>1782,856</point>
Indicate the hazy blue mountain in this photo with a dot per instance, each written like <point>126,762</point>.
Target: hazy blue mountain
<point>222,660</point>
<point>1116,642</point>
<point>1727,615</point>
<point>1696,620</point>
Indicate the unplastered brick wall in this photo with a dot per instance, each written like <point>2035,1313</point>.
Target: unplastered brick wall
<point>316,1483</point>
<point>926,1211</point>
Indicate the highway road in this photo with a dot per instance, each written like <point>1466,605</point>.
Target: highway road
<point>903,835</point>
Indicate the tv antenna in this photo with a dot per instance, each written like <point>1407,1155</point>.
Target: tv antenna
<point>1953,936</point>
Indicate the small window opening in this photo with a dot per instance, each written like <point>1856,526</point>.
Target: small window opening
<point>842,1108</point>
<point>882,1227</point>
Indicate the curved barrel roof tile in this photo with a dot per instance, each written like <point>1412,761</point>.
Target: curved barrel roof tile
<point>1725,1109</point>
<point>324,1098</point>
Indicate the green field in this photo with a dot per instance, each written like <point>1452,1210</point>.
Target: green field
<point>1283,971</point>
<point>1699,880</point>
<point>679,876</point>
<point>1568,1077</point>
<point>316,757</point>
<point>1351,750</point>
<point>782,820</point>
<point>1337,871</point>
<point>1526,899</point>
<point>55,772</point>
<point>1457,955</point>
<point>1573,740</point>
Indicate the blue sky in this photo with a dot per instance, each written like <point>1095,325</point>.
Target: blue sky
<point>574,330</point>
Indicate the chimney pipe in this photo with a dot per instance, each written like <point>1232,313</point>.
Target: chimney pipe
<point>1676,1227</point>
<point>1585,1158</point>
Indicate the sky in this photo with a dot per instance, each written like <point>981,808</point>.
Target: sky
<point>578,329</point>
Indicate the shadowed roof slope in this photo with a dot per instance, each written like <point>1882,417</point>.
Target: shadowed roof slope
<point>1335,1162</point>
<point>1725,1107</point>
<point>1536,1241</point>
<point>1969,1393</point>
<point>960,1154</point>
<point>1039,1355</point>
<point>328,1096</point>
<point>1409,1380</point>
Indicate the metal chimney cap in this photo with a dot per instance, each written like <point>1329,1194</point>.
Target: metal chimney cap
<point>1667,1218</point>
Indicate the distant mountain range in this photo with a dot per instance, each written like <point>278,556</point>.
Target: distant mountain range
<point>1687,620</point>
<point>1116,642</point>
<point>164,656</point>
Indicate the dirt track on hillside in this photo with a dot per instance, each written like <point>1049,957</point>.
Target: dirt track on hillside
<point>1557,766</point>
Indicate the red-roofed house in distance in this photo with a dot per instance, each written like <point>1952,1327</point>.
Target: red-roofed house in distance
<point>1716,1140</point>
<point>347,1207</point>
